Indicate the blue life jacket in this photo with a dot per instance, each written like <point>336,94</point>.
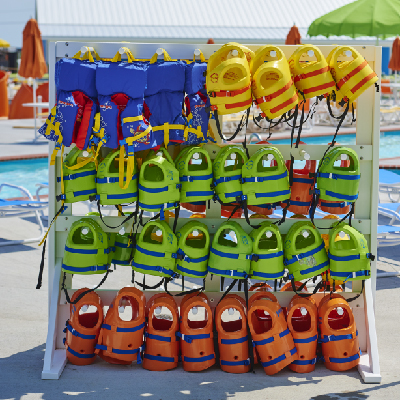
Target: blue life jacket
<point>72,119</point>
<point>121,87</point>
<point>164,96</point>
<point>197,101</point>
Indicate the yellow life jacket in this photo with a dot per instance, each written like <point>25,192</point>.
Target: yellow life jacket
<point>352,77</point>
<point>228,80</point>
<point>272,83</point>
<point>311,78</point>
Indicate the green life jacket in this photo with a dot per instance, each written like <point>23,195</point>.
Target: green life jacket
<point>267,259</point>
<point>162,151</point>
<point>79,184</point>
<point>262,184</point>
<point>158,185</point>
<point>193,249</point>
<point>123,249</point>
<point>305,257</point>
<point>228,173</point>
<point>338,183</point>
<point>227,258</point>
<point>109,191</point>
<point>156,255</point>
<point>195,175</point>
<point>349,258</point>
<point>87,250</point>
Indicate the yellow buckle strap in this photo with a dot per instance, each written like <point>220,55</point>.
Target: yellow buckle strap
<point>166,127</point>
<point>117,56</point>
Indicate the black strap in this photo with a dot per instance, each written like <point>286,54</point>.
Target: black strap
<point>359,294</point>
<point>243,122</point>
<point>183,293</point>
<point>83,293</point>
<point>299,292</point>
<point>132,215</point>
<point>291,170</point>
<point>146,287</point>
<point>176,217</point>
<point>249,338</point>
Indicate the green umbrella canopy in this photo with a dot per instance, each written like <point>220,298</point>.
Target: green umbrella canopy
<point>378,18</point>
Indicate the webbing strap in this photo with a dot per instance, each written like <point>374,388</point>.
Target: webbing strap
<point>336,338</point>
<point>338,176</point>
<point>78,175</point>
<point>230,272</point>
<point>270,339</point>
<point>227,179</point>
<point>269,97</point>
<point>235,363</point>
<point>157,337</point>
<point>305,362</point>
<point>198,359</point>
<point>306,340</point>
<point>341,196</point>
<point>230,255</point>
<point>80,335</point>
<point>159,358</point>
<point>92,268</point>
<point>166,127</point>
<point>200,274</point>
<point>351,74</point>
<point>310,74</point>
<point>120,329</point>
<point>344,359</point>
<point>265,275</point>
<point>297,257</point>
<point>278,359</point>
<point>235,341</point>
<point>80,355</point>
<point>265,178</point>
<point>163,270</point>
<point>229,93</point>
<point>189,338</point>
<point>192,178</point>
<point>273,194</point>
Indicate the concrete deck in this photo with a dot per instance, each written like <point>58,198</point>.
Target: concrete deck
<point>23,330</point>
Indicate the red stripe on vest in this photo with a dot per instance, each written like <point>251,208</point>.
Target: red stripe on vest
<point>351,74</point>
<point>271,96</point>
<point>246,103</point>
<point>363,82</point>
<point>319,87</point>
<point>229,93</point>
<point>283,105</point>
<point>311,74</point>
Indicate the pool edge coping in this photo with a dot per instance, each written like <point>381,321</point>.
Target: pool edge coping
<point>24,157</point>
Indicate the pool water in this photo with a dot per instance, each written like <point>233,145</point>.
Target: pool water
<point>26,173</point>
<point>389,145</point>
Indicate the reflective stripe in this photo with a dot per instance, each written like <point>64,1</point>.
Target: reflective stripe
<point>199,193</point>
<point>119,329</point>
<point>266,275</point>
<point>155,190</point>
<point>234,341</point>
<point>305,362</point>
<point>80,335</point>
<point>190,178</point>
<point>313,269</point>
<point>92,268</point>
<point>77,175</point>
<point>198,359</point>
<point>234,363</point>
<point>273,194</point>
<point>80,251</point>
<point>80,355</point>
<point>191,271</point>
<point>157,337</point>
<point>227,179</point>
<point>271,338</point>
<point>233,273</point>
<point>341,196</point>
<point>84,192</point>
<point>336,338</point>
<point>338,176</point>
<point>306,340</point>
<point>300,256</point>
<point>344,360</point>
<point>278,359</point>
<point>121,196</point>
<point>159,358</point>
<point>150,252</point>
<point>303,180</point>
<point>266,178</point>
<point>190,338</point>
<point>163,270</point>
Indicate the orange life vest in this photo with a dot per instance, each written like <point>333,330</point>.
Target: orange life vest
<point>271,336</point>
<point>82,330</point>
<point>339,336</point>
<point>162,346</point>
<point>232,335</point>
<point>197,344</point>
<point>302,320</point>
<point>121,342</point>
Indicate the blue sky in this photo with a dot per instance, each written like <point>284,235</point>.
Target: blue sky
<point>14,14</point>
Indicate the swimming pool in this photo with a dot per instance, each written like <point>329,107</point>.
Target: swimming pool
<point>389,145</point>
<point>26,173</point>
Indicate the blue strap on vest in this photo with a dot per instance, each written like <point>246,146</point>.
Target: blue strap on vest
<point>78,334</point>
<point>306,340</point>
<point>123,245</point>
<point>159,358</point>
<point>336,338</point>
<point>303,180</point>
<point>234,341</point>
<point>190,338</point>
<point>157,337</point>
<point>198,359</point>
<point>119,329</point>
<point>344,359</point>
<point>119,262</point>
<point>313,269</point>
<point>298,203</point>
<point>270,339</point>
<point>234,194</point>
<point>199,193</point>
<point>232,273</point>
<point>266,256</point>
<point>154,253</point>
<point>159,207</point>
<point>92,268</point>
<point>260,179</point>
<point>121,196</point>
<point>305,362</point>
<point>272,194</point>
<point>189,178</point>
<point>228,255</point>
<point>77,175</point>
<point>190,271</point>
<point>191,260</point>
<point>84,192</point>
<point>235,363</point>
<point>163,270</point>
<point>80,355</point>
<point>335,205</point>
<point>338,176</point>
<point>121,351</point>
<point>84,251</point>
<point>341,196</point>
<point>265,275</point>
<point>113,180</point>
<point>297,257</point>
<point>278,359</point>
<point>349,275</point>
<point>227,179</point>
<point>154,190</point>
<point>347,258</point>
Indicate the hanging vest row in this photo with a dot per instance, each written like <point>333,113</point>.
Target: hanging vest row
<point>140,102</point>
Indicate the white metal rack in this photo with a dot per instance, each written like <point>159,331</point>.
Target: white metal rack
<point>366,215</point>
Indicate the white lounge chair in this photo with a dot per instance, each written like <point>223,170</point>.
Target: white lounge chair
<point>20,208</point>
<point>389,183</point>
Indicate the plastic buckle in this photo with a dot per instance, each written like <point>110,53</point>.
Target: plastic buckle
<point>228,93</point>
<point>178,256</point>
<point>255,257</point>
<point>247,362</point>
<point>179,186</point>
<point>212,94</point>
<point>214,108</point>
